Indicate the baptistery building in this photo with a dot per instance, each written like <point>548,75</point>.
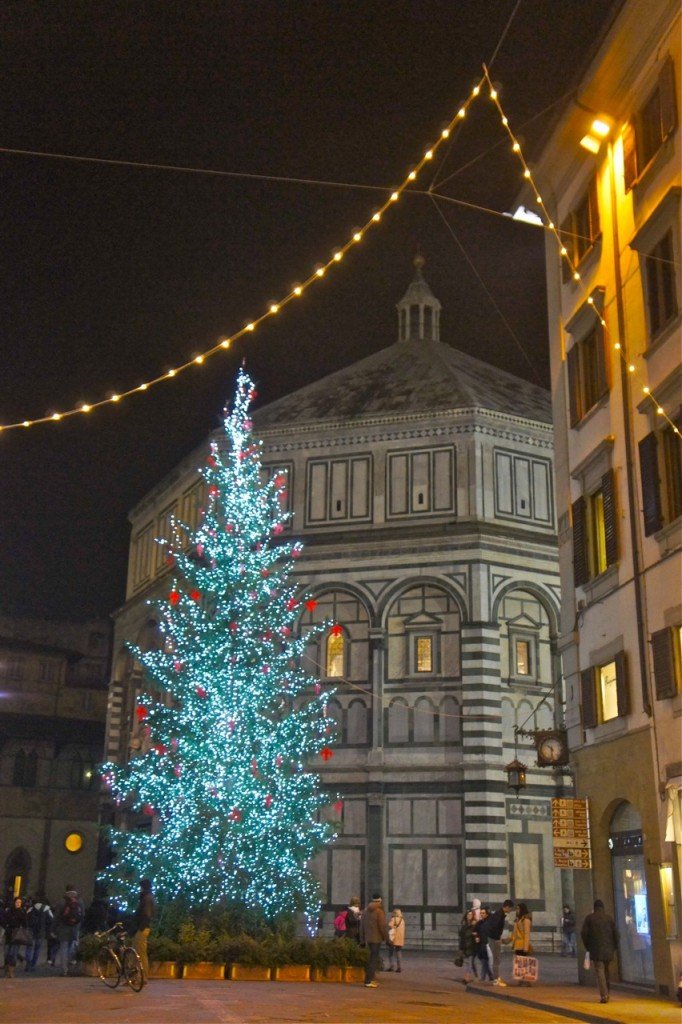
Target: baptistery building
<point>421,485</point>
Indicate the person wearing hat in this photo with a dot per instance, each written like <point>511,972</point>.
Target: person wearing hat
<point>374,931</point>
<point>144,915</point>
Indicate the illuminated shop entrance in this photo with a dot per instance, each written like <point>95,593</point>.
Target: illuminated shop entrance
<point>630,896</point>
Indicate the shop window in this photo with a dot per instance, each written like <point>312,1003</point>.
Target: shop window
<point>666,648</point>
<point>581,229</point>
<point>650,126</point>
<point>335,656</point>
<point>595,537</point>
<point>630,896</point>
<point>605,692</point>
<point>660,463</point>
<point>587,381</point>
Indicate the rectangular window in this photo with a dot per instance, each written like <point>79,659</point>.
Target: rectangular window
<point>650,126</point>
<point>285,472</point>
<point>523,658</point>
<point>142,556</point>
<point>666,649</point>
<point>339,490</point>
<point>421,482</point>
<point>595,535</point>
<point>424,658</point>
<point>660,464</point>
<point>587,381</point>
<point>608,694</point>
<point>581,229</point>
<point>605,692</point>
<point>661,285</point>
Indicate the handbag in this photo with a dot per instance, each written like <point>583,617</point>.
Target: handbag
<point>459,960</point>
<point>21,937</point>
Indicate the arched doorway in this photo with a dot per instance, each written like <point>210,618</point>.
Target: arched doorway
<point>630,895</point>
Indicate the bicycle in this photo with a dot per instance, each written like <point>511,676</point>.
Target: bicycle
<point>116,959</point>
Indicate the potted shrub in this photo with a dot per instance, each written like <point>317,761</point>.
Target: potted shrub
<point>88,951</point>
<point>164,954</point>
<point>199,953</point>
<point>324,961</point>
<point>289,957</point>
<point>252,961</point>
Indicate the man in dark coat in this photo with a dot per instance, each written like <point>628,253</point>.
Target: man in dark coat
<point>496,922</point>
<point>374,931</point>
<point>144,915</point>
<point>600,939</point>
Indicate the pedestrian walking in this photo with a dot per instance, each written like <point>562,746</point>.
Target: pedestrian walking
<point>483,951</point>
<point>467,946</point>
<point>68,916</point>
<point>476,908</point>
<point>496,923</point>
<point>568,939</point>
<point>600,939</point>
<point>40,920</point>
<point>353,918</point>
<point>17,935</point>
<point>396,939</point>
<point>340,924</point>
<point>373,932</point>
<point>144,915</point>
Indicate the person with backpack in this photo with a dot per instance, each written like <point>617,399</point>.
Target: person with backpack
<point>68,916</point>
<point>353,917</point>
<point>340,924</point>
<point>40,926</point>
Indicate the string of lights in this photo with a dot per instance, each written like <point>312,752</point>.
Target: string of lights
<point>277,306</point>
<point>563,251</point>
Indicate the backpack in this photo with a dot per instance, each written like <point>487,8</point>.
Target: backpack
<point>340,921</point>
<point>71,913</point>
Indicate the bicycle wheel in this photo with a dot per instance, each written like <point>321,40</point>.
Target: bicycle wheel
<point>109,967</point>
<point>132,968</point>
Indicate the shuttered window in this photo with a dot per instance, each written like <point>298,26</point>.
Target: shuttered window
<point>665,648</point>
<point>587,378</point>
<point>588,699</point>
<point>605,692</point>
<point>595,531</point>
<point>650,126</point>
<point>581,229</point>
<point>660,467</point>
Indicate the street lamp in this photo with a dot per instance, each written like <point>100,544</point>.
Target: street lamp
<point>516,775</point>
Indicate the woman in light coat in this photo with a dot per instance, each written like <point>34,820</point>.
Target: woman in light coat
<point>396,939</point>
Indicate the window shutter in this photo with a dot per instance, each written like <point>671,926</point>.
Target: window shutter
<point>664,663</point>
<point>610,518</point>
<point>574,404</point>
<point>666,88</point>
<point>581,572</point>
<point>622,684</point>
<point>600,356</point>
<point>651,485</point>
<point>566,235</point>
<point>629,155</point>
<point>588,698</point>
<point>593,202</point>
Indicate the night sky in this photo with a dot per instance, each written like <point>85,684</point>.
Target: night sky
<point>110,275</point>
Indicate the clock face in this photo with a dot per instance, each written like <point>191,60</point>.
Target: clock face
<point>552,749</point>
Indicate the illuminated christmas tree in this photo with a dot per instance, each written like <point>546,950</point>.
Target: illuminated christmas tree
<point>229,719</point>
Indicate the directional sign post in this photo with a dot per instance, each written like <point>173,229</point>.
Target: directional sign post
<point>571,834</point>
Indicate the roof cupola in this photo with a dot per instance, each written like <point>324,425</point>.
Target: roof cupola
<point>419,309</point>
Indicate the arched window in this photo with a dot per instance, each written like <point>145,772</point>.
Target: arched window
<point>424,721</point>
<point>398,722</point>
<point>450,721</point>
<point>357,722</point>
<point>335,712</point>
<point>335,658</point>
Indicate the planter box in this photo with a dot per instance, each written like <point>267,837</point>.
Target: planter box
<point>355,975</point>
<point>328,974</point>
<point>248,972</point>
<point>292,972</point>
<point>89,968</point>
<point>164,969</point>
<point>204,971</point>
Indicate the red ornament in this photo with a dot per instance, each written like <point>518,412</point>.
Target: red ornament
<point>201,692</point>
<point>338,807</point>
<point>317,688</point>
<point>210,461</point>
<point>264,573</point>
<point>265,670</point>
<point>253,395</point>
<point>174,743</point>
<point>235,814</point>
<point>213,491</point>
<point>174,597</point>
<point>177,770</point>
<point>336,630</point>
<point>200,550</point>
<point>268,800</point>
<point>195,595</point>
<point>170,560</point>
<point>248,424</point>
<point>161,749</point>
<point>326,753</point>
<point>277,529</point>
<point>280,480</point>
<point>148,809</point>
<point>295,553</point>
<point>291,604</point>
<point>278,760</point>
<point>311,605</point>
<point>178,666</point>
<point>254,766</point>
<point>233,627</point>
<point>231,725</point>
<point>229,527</point>
<point>141,712</point>
<point>285,631</point>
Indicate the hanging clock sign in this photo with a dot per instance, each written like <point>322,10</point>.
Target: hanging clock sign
<point>552,748</point>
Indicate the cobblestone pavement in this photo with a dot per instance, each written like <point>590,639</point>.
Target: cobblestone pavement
<point>428,991</point>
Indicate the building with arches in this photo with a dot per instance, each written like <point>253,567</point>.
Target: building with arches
<point>53,683</point>
<point>421,484</point>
